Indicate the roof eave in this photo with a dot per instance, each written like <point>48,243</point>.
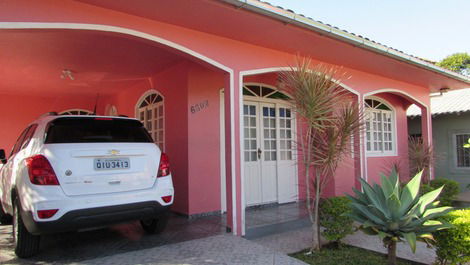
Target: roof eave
<point>335,33</point>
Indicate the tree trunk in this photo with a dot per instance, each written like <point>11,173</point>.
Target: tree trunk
<point>392,252</point>
<point>316,243</point>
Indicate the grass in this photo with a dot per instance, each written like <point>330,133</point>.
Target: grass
<point>346,255</point>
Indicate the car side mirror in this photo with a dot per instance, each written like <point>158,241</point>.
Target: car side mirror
<point>3,158</point>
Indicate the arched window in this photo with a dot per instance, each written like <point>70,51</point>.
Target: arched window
<point>262,91</point>
<point>380,127</point>
<point>150,111</point>
<point>76,112</point>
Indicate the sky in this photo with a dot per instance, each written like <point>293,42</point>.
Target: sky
<point>430,29</point>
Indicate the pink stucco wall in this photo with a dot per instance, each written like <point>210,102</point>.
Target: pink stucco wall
<point>172,84</point>
<point>17,111</point>
<point>204,139</point>
<point>192,138</point>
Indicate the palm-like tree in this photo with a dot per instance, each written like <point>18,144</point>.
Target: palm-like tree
<point>329,118</point>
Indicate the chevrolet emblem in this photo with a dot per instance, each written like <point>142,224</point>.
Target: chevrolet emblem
<point>114,152</point>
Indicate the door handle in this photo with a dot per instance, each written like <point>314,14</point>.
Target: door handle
<point>259,153</point>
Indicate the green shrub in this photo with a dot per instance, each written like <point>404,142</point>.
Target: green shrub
<point>448,194</point>
<point>332,219</point>
<point>453,245</point>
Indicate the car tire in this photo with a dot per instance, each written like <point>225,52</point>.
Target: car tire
<point>155,225</point>
<point>26,244</point>
<point>5,219</point>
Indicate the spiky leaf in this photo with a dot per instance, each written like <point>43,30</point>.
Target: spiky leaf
<point>410,192</point>
<point>411,239</point>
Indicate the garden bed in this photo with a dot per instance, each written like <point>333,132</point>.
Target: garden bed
<point>346,255</point>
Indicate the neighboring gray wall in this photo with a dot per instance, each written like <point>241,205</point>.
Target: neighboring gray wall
<point>443,128</point>
<point>414,125</point>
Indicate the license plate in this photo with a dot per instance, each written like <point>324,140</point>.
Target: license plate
<point>111,163</point>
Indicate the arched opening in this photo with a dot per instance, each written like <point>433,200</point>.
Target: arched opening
<point>273,176</point>
<point>82,67</point>
<point>398,102</point>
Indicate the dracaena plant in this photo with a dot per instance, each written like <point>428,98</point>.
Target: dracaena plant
<point>328,117</point>
<point>397,214</point>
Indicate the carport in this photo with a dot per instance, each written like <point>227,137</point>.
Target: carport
<point>83,71</point>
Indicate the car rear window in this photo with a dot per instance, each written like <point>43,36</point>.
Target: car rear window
<point>96,130</point>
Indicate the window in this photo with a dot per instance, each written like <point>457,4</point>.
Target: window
<point>150,111</point>
<point>462,154</point>
<point>93,130</point>
<point>28,136</point>
<point>380,132</point>
<point>19,142</point>
<point>262,91</point>
<point>76,112</point>
<point>286,134</point>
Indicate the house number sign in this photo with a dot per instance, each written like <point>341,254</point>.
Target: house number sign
<point>199,106</point>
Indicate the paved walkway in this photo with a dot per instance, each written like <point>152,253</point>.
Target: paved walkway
<point>298,240</point>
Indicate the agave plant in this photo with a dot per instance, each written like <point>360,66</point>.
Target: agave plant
<point>397,214</point>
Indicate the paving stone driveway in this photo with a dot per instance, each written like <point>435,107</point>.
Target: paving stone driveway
<point>127,244</point>
<point>221,249</point>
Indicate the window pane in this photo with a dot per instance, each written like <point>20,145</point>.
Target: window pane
<point>463,154</point>
<point>253,122</point>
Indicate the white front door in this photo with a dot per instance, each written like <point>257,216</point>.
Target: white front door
<point>269,168</point>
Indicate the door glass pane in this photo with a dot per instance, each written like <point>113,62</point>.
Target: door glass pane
<point>285,137</point>
<point>269,135</point>
<point>250,131</point>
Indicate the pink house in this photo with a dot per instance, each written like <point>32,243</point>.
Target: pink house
<point>202,75</point>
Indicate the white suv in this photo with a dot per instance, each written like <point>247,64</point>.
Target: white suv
<point>67,173</point>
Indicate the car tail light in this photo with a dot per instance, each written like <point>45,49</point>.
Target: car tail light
<point>40,171</point>
<point>44,214</point>
<point>167,199</point>
<point>164,167</point>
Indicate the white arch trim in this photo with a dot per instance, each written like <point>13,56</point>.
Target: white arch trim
<point>265,85</point>
<point>393,90</point>
<point>286,68</point>
<point>108,28</point>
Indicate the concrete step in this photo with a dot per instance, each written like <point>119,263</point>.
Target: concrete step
<point>266,230</point>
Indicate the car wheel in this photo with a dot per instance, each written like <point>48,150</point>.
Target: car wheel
<point>5,219</point>
<point>26,244</point>
<point>155,225</point>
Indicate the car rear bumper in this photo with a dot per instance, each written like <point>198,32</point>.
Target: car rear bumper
<point>94,217</point>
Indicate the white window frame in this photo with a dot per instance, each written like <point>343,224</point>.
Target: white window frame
<point>65,112</point>
<point>161,103</point>
<point>454,151</point>
<point>392,111</point>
